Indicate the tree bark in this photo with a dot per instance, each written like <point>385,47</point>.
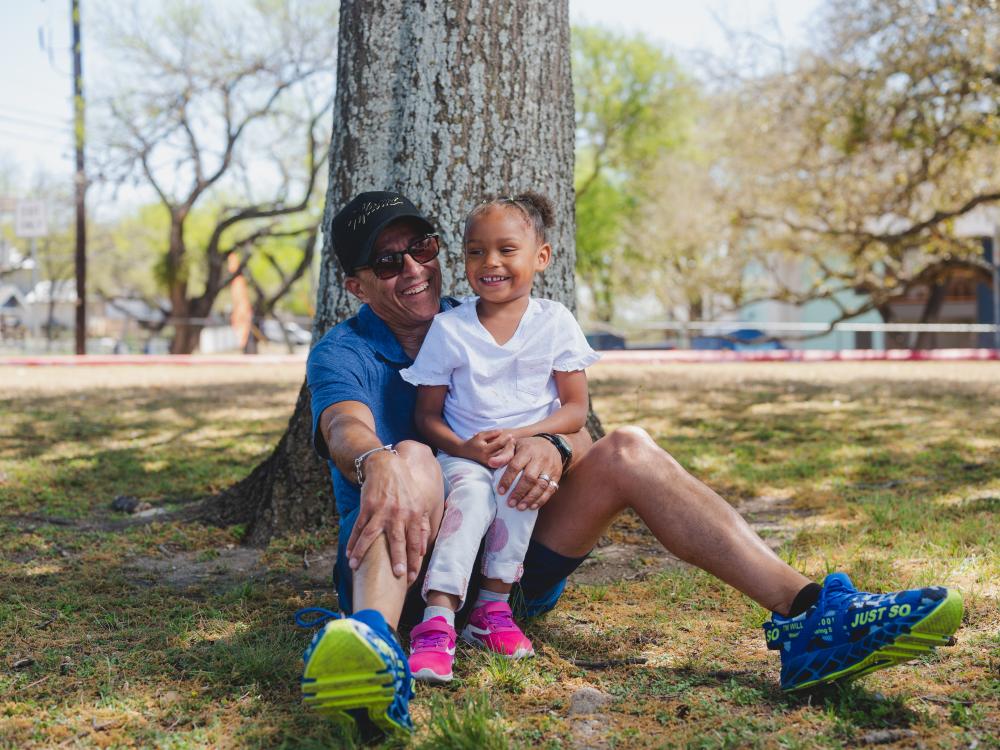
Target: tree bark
<point>444,101</point>
<point>935,300</point>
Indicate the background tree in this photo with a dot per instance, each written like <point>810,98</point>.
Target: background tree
<point>271,274</point>
<point>444,101</point>
<point>223,108</point>
<point>857,161</point>
<point>54,253</point>
<point>634,109</point>
<point>681,245</point>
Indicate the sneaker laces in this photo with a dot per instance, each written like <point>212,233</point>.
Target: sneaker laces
<point>325,615</point>
<point>500,619</point>
<point>431,639</point>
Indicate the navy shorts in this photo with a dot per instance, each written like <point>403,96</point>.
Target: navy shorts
<point>538,591</point>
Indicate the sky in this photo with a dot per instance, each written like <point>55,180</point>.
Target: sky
<point>36,83</point>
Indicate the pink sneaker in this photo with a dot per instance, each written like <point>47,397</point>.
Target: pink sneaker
<point>432,650</point>
<point>492,626</point>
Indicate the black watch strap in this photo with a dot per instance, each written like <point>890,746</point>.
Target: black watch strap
<point>561,444</point>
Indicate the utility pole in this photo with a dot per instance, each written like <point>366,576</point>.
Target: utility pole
<point>81,185</point>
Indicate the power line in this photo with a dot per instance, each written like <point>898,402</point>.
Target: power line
<point>27,136</point>
<point>22,122</point>
<point>22,111</point>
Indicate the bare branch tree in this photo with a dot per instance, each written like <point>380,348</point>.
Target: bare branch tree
<point>225,115</point>
<point>858,161</point>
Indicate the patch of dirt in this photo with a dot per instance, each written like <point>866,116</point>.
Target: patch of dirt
<point>773,518</point>
<point>104,520</point>
<point>624,562</point>
<point>628,553</point>
<point>224,568</point>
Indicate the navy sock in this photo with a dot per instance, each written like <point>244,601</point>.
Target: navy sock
<point>807,597</point>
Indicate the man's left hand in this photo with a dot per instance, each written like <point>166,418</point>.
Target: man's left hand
<point>533,458</point>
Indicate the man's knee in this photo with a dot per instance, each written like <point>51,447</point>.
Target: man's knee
<point>419,457</point>
<point>630,449</point>
<point>424,468</point>
<point>630,444</point>
<point>415,451</point>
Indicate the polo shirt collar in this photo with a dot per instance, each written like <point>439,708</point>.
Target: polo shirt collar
<point>380,337</point>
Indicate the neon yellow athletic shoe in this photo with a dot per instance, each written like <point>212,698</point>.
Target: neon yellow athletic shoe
<point>356,672</point>
<point>850,633</point>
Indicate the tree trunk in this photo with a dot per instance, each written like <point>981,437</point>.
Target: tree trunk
<point>935,300</point>
<point>186,338</point>
<point>443,101</point>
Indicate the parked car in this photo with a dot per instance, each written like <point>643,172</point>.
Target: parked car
<point>602,340</point>
<point>740,340</point>
<point>298,335</point>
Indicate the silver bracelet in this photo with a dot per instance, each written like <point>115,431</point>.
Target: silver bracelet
<point>360,460</point>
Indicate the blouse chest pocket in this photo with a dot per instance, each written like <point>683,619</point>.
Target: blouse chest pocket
<point>533,374</point>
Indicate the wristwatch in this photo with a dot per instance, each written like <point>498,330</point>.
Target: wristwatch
<point>562,445</point>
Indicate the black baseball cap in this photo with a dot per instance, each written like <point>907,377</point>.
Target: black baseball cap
<point>358,224</point>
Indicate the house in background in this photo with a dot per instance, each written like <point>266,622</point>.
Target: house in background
<point>793,274</point>
<point>965,301</point>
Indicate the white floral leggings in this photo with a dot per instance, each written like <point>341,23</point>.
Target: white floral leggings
<point>474,509</point>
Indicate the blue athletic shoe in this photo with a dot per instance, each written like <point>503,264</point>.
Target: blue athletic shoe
<point>849,633</point>
<point>356,672</point>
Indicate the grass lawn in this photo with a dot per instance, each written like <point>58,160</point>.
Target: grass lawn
<point>148,631</point>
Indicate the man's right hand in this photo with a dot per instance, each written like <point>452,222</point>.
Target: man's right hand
<point>390,506</point>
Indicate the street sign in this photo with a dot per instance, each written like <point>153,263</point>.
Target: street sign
<point>30,219</point>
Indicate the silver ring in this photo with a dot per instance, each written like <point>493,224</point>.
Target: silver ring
<point>553,485</point>
<point>546,477</point>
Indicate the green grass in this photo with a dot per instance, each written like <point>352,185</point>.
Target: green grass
<point>890,473</point>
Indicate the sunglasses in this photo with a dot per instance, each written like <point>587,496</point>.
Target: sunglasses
<point>390,265</point>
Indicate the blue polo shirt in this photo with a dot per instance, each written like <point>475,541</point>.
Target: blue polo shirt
<point>359,360</point>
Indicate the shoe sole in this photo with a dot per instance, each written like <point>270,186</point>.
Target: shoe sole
<point>521,653</point>
<point>934,630</point>
<point>429,675</point>
<point>346,680</point>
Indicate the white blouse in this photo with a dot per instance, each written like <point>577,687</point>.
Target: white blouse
<point>492,385</point>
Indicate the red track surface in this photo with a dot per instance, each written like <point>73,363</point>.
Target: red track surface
<point>653,356</point>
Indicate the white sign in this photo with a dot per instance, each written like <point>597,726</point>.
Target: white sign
<point>31,220</point>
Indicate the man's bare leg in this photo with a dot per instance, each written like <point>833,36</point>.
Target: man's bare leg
<point>627,469</point>
<point>375,585</point>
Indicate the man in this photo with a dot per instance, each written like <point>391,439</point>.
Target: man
<point>390,498</point>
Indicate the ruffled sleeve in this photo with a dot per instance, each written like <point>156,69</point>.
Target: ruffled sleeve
<point>572,352</point>
<point>437,358</point>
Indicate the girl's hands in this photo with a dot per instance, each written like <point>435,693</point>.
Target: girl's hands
<point>491,448</point>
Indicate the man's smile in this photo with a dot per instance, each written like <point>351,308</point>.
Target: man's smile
<point>417,289</point>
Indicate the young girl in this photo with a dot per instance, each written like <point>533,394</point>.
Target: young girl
<point>498,367</point>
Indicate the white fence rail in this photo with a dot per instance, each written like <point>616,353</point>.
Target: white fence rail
<point>718,326</point>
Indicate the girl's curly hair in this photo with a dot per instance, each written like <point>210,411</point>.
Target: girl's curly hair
<point>536,208</point>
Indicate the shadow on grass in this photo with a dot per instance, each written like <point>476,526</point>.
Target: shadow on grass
<point>69,456</point>
<point>854,706</point>
<point>186,661</point>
